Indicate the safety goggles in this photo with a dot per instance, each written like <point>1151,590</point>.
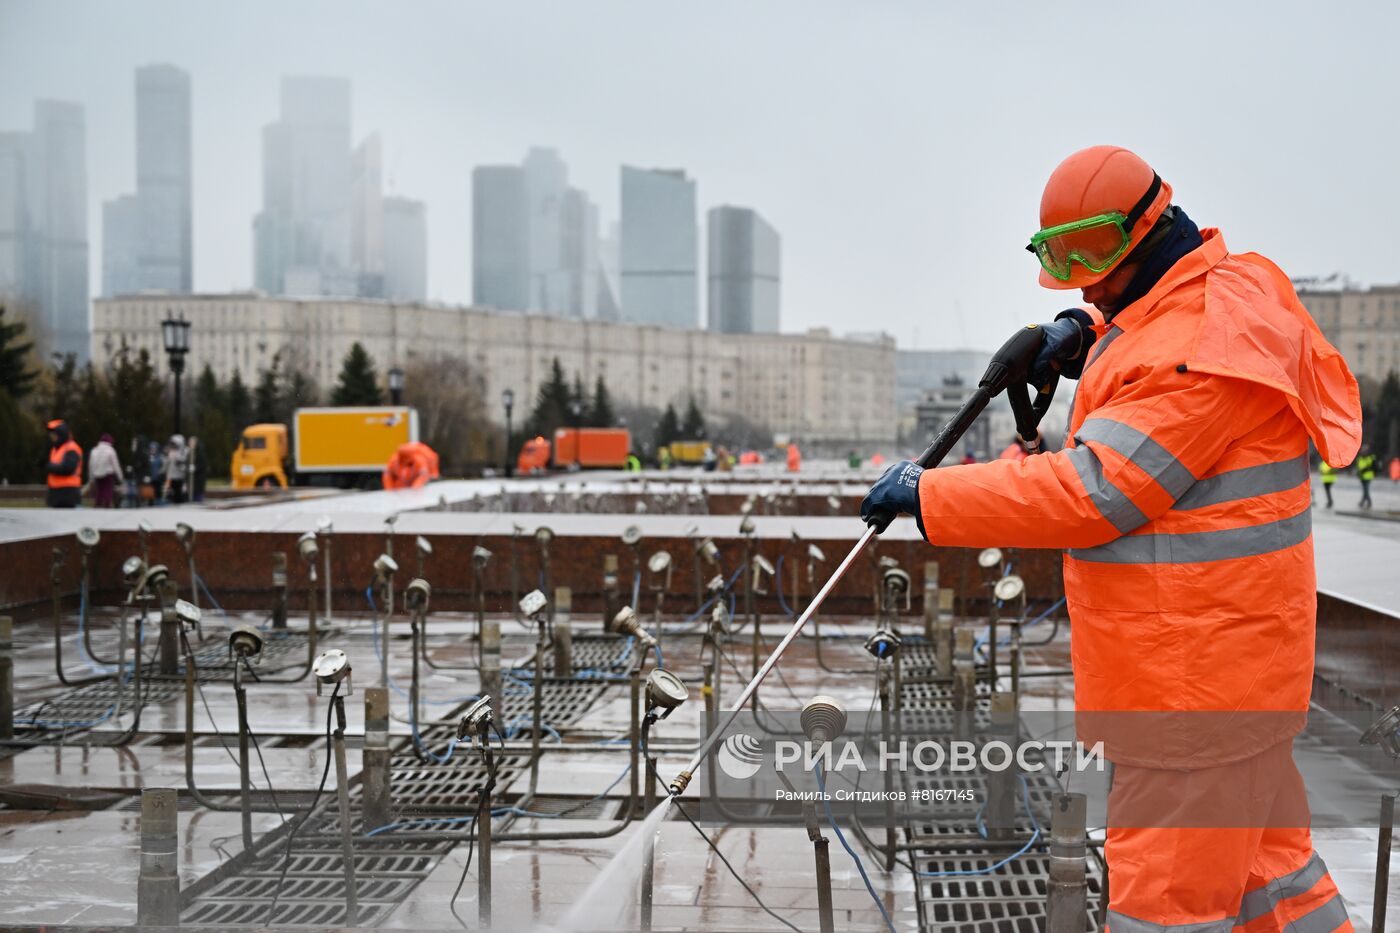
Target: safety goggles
<point>1096,242</point>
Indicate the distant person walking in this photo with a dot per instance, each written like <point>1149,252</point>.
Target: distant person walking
<point>177,468</point>
<point>1329,476</point>
<point>104,473</point>
<point>1365,471</point>
<point>155,471</point>
<point>64,469</point>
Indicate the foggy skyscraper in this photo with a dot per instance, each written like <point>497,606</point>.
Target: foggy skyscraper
<point>659,248</point>
<point>367,216</point>
<point>535,239</point>
<point>302,236</point>
<point>500,238</point>
<point>43,225</point>
<point>743,272</point>
<point>146,238</point>
<point>163,177</point>
<point>405,229</point>
<point>121,246</point>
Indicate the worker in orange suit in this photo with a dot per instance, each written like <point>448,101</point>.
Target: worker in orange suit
<point>794,458</point>
<point>413,465</point>
<point>64,469</point>
<point>1183,502</point>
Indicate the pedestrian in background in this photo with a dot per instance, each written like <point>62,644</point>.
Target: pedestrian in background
<point>64,468</point>
<point>1365,471</point>
<point>199,470</point>
<point>104,473</point>
<point>1329,476</point>
<point>155,473</point>
<point>177,463</point>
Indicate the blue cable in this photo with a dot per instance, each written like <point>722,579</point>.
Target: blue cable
<point>433,821</point>
<point>1035,837</point>
<point>981,642</point>
<point>199,581</point>
<point>860,866</point>
<point>659,661</point>
<point>778,588</point>
<point>379,655</point>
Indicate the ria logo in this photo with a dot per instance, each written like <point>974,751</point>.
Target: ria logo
<point>741,756</point>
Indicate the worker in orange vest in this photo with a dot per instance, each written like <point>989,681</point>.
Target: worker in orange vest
<point>1183,499</point>
<point>413,465</point>
<point>794,458</point>
<point>64,468</point>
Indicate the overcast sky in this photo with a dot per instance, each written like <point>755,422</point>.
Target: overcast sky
<point>898,147</point>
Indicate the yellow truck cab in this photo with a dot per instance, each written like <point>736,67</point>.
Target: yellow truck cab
<point>259,458</point>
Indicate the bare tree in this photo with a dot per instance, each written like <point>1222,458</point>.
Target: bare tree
<point>450,397</point>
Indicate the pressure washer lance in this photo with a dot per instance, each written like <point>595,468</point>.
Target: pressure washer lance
<point>1008,370</point>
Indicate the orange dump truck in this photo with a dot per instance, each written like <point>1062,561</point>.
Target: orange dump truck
<point>591,448</point>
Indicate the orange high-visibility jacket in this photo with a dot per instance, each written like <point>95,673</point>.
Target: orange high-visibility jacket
<point>1183,501</point>
<point>411,466</point>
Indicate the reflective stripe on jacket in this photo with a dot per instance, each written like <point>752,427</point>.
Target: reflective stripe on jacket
<point>56,456</point>
<point>1183,500</point>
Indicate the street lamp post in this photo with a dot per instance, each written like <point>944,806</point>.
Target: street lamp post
<point>396,386</point>
<point>176,335</point>
<point>508,400</point>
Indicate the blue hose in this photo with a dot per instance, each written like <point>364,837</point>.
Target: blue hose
<point>860,866</point>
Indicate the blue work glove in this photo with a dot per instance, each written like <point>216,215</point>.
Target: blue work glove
<point>895,493</point>
<point>1065,349</point>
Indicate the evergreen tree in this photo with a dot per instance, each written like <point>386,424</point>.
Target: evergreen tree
<point>138,394</point>
<point>358,383</point>
<point>578,404</point>
<point>600,412</point>
<point>551,409</point>
<point>25,444</point>
<point>211,423</point>
<point>266,404</point>
<point>693,429</point>
<point>668,429</point>
<point>16,377</point>
<point>240,404</point>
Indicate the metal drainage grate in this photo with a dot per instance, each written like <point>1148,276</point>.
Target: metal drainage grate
<point>387,871</point>
<point>93,701</point>
<point>1012,900</point>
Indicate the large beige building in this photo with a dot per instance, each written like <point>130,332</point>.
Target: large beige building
<point>819,389</point>
<point>1362,323</point>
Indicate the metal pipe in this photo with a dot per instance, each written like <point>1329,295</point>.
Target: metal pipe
<point>1381,897</point>
<point>822,855</point>
<point>1067,893</point>
<point>884,676</point>
<point>158,885</point>
<point>279,589</point>
<point>375,776</point>
<point>170,631</point>
<point>244,781</point>
<point>483,822</point>
<point>342,790</point>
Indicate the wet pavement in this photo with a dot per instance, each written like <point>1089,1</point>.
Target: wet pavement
<point>79,867</point>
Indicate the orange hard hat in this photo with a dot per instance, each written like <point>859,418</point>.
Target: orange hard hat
<point>1098,180</point>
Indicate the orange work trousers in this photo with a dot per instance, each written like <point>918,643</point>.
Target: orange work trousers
<point>1217,850</point>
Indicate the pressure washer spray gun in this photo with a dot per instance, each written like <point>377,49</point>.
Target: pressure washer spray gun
<point>1009,370</point>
